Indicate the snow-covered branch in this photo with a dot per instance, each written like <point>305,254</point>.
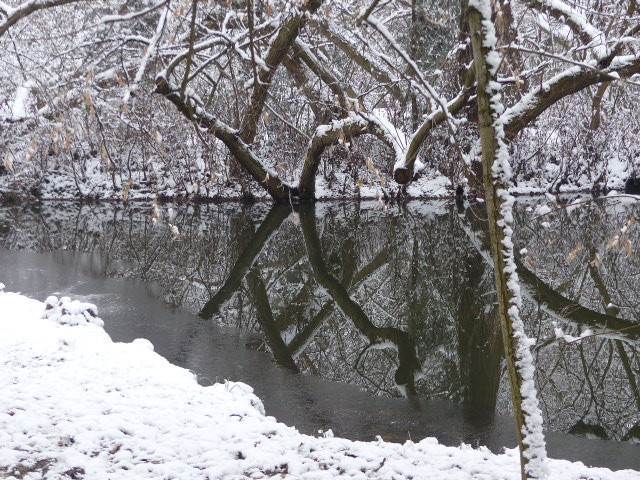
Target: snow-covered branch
<point>149,52</point>
<point>354,125</point>
<point>14,15</point>
<point>560,86</point>
<point>582,29</point>
<point>192,108</point>
<point>403,170</point>
<point>278,49</point>
<point>132,15</point>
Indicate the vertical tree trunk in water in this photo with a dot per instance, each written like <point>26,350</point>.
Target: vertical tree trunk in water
<point>479,341</point>
<point>497,175</point>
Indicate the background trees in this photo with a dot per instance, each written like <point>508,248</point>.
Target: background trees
<point>270,97</point>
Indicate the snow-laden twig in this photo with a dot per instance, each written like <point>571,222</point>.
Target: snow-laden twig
<point>424,86</point>
<point>576,21</point>
<point>131,15</point>
<point>585,65</point>
<point>149,51</point>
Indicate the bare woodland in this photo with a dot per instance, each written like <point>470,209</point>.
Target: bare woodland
<point>223,99</point>
<point>288,100</point>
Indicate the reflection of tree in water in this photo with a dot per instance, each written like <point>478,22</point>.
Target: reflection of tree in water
<point>588,387</point>
<point>335,290</point>
<point>378,337</point>
<point>419,270</point>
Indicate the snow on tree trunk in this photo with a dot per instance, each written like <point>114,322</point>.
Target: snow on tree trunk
<point>497,178</point>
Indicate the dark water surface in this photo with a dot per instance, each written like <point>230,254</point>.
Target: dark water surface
<point>333,315</point>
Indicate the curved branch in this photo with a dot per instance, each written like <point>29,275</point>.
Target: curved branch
<point>27,8</point>
<point>403,172</point>
<point>562,85</point>
<point>190,108</point>
<point>326,135</point>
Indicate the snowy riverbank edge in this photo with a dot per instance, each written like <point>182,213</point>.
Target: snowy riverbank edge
<point>63,185</point>
<point>75,404</point>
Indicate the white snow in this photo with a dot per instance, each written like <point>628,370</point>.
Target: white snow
<point>560,335</point>
<point>77,405</point>
<point>19,106</point>
<point>542,210</point>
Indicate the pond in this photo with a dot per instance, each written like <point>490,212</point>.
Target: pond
<point>363,318</point>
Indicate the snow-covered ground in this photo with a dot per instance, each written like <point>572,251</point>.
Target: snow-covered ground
<point>75,404</point>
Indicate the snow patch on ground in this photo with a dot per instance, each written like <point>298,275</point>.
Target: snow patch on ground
<point>77,405</point>
<point>434,185</point>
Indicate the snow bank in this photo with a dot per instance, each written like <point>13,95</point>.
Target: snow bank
<point>77,405</point>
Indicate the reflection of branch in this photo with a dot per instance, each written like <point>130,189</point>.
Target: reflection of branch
<point>379,386</point>
<point>295,307</point>
<point>631,376</point>
<point>408,361</point>
<point>302,339</point>
<point>247,258</point>
<point>561,306</point>
<point>265,319</point>
<point>536,289</point>
<point>599,283</point>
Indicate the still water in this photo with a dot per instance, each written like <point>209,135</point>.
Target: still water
<point>362,319</point>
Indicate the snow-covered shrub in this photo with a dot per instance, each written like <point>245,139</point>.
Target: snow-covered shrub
<point>71,312</point>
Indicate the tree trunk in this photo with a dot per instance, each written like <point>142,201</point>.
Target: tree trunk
<point>497,174</point>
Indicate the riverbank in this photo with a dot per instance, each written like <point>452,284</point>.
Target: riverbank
<point>65,184</point>
<point>77,405</point>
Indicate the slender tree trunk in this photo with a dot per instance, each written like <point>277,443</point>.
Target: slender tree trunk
<point>596,116</point>
<point>497,176</point>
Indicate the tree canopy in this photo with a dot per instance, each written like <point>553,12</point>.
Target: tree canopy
<point>207,98</point>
